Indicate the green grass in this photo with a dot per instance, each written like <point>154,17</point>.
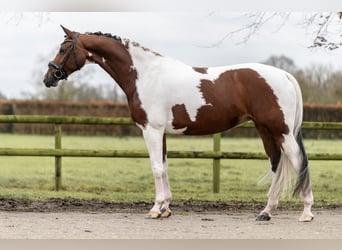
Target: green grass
<point>127,180</point>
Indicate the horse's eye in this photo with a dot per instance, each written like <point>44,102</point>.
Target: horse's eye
<point>61,51</point>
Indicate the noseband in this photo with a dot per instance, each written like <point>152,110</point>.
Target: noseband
<point>60,73</point>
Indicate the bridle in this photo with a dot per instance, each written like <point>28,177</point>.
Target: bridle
<point>60,73</point>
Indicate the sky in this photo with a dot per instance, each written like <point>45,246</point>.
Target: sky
<point>30,39</point>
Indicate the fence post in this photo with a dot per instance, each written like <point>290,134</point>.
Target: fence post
<point>216,163</point>
<point>58,159</point>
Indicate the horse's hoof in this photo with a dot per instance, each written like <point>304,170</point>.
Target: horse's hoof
<point>306,218</point>
<point>153,215</point>
<point>165,213</point>
<point>263,217</point>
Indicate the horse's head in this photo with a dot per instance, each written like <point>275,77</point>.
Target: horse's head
<point>70,57</point>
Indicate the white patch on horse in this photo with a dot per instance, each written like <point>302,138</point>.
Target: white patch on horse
<point>103,60</point>
<point>168,82</point>
<point>131,68</point>
<point>88,61</point>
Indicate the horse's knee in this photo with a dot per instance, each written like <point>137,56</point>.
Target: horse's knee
<point>158,171</point>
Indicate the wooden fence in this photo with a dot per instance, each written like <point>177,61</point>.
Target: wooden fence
<point>216,154</point>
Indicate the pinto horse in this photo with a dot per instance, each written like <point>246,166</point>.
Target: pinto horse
<point>166,96</point>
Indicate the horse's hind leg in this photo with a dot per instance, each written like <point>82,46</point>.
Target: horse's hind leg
<point>295,152</point>
<point>273,151</point>
<point>286,154</point>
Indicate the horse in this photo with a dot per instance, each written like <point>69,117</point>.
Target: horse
<point>166,96</point>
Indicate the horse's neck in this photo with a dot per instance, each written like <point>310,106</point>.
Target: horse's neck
<point>114,58</point>
<point>127,62</point>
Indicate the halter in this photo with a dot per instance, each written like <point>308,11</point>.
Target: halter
<point>60,73</point>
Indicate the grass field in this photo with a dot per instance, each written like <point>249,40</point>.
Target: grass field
<point>128,180</point>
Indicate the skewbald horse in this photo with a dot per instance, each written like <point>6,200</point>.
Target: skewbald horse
<point>166,96</point>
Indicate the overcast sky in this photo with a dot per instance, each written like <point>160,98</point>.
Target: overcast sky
<point>187,36</point>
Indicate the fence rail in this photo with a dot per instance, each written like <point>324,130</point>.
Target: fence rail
<point>90,120</point>
<point>58,152</point>
<point>144,154</point>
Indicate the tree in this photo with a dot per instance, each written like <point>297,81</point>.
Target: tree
<point>325,26</point>
<point>326,35</point>
<point>2,97</point>
<point>282,62</point>
<point>17,17</point>
<point>319,74</point>
<point>314,79</point>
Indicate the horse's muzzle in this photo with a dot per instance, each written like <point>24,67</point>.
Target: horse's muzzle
<point>50,81</point>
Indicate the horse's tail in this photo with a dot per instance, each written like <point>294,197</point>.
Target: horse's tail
<point>303,179</point>
<point>283,177</point>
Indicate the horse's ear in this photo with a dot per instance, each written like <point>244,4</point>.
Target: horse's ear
<point>68,32</point>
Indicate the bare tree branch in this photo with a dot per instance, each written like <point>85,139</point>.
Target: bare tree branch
<point>324,25</point>
<point>15,18</point>
<point>255,21</point>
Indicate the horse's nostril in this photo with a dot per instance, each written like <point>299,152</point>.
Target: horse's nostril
<point>46,81</point>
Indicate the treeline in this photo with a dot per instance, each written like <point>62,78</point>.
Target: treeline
<point>320,83</point>
<point>312,112</point>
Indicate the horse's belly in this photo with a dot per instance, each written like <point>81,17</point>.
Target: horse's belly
<point>205,122</point>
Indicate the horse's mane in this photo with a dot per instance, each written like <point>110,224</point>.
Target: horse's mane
<point>117,38</point>
<point>99,33</point>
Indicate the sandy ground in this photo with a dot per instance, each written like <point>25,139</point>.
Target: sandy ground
<point>192,225</point>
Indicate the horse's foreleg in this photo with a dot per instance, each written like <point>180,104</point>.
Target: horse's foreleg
<point>154,141</point>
